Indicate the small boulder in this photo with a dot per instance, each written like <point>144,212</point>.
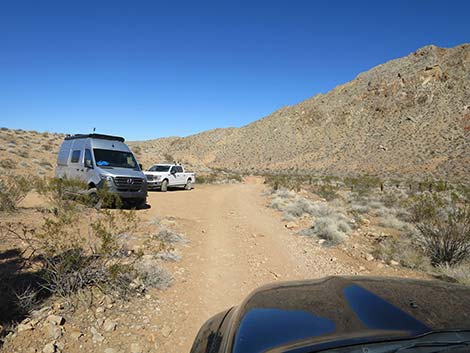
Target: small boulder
<point>109,325</point>
<point>291,225</point>
<point>50,348</point>
<point>76,335</point>
<point>55,332</point>
<point>24,327</point>
<point>96,336</point>
<point>55,319</point>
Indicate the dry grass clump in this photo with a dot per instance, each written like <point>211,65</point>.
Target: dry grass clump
<point>152,275</point>
<point>13,189</point>
<point>330,224</point>
<point>459,273</point>
<point>166,235</point>
<point>405,250</point>
<point>391,221</point>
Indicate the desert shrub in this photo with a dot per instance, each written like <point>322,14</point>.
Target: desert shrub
<point>390,221</point>
<point>167,255</point>
<point>392,198</point>
<point>333,230</point>
<point>298,207</point>
<point>363,184</point>
<point>152,275</point>
<point>8,164</point>
<point>69,262</point>
<point>166,235</point>
<point>362,209</point>
<point>62,191</point>
<point>137,149</point>
<point>168,158</point>
<point>207,178</point>
<point>403,250</point>
<point>326,191</point>
<point>444,226</point>
<point>330,224</point>
<point>459,273</point>
<point>286,181</point>
<point>284,194</point>
<point>219,177</point>
<point>13,189</point>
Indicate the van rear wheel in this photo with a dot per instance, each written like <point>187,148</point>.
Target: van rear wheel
<point>164,185</point>
<point>189,185</point>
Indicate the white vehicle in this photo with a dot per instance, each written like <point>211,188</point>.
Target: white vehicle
<point>101,159</point>
<point>162,176</point>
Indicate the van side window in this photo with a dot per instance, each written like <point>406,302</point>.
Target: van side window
<point>75,156</point>
<point>88,159</point>
<point>173,170</point>
<point>179,169</point>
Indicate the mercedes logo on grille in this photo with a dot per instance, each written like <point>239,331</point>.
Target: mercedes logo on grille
<point>130,181</point>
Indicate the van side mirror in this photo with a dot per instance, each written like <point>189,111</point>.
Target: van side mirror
<point>140,166</point>
<point>88,164</point>
<point>173,171</point>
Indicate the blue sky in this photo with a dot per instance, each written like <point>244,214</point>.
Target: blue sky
<point>146,69</point>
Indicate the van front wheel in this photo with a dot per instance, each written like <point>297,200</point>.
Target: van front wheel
<point>164,185</point>
<point>93,198</point>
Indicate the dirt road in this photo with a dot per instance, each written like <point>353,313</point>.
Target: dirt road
<point>235,244</point>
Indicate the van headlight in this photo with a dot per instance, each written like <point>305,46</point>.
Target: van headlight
<point>107,178</point>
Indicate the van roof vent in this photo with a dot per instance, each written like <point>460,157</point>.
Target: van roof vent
<point>95,136</point>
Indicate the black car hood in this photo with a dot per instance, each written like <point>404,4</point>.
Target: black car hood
<point>337,310</point>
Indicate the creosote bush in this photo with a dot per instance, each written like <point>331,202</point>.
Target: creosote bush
<point>444,226</point>
<point>73,256</point>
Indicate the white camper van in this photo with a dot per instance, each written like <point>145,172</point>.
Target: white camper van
<point>102,159</point>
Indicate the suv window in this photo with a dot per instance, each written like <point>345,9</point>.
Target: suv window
<point>179,169</point>
<point>75,156</point>
<point>173,170</point>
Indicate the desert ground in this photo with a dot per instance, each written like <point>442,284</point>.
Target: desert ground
<point>231,243</point>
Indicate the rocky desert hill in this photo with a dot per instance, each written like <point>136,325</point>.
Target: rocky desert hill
<point>407,117</point>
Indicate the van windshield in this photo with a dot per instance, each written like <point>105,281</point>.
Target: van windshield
<point>159,168</point>
<point>116,159</point>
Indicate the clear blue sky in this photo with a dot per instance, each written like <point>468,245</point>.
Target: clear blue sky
<point>146,69</point>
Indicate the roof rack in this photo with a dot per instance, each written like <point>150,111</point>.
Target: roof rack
<point>95,136</point>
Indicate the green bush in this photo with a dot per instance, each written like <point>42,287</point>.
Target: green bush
<point>326,191</point>
<point>444,225</point>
